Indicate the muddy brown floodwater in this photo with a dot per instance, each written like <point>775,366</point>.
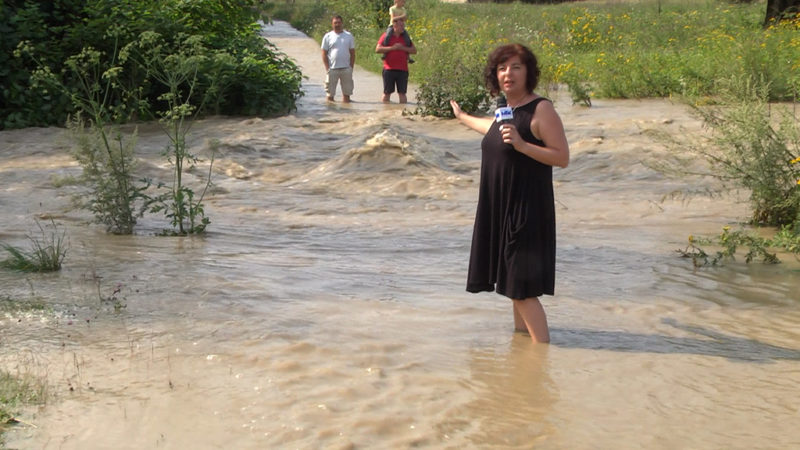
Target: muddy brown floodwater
<point>325,308</point>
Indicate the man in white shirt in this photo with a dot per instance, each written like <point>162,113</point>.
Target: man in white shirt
<point>339,57</point>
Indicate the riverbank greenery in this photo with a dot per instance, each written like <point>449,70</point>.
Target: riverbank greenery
<point>647,48</point>
<point>251,78</point>
<point>752,145</point>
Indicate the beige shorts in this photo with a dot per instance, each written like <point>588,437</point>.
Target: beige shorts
<point>335,76</point>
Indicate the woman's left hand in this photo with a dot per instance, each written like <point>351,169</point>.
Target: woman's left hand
<point>510,134</point>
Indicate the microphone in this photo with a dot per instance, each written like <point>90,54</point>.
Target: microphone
<point>503,113</point>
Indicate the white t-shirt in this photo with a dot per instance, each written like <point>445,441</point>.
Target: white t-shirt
<point>338,47</point>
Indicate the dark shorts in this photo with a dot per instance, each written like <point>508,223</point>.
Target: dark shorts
<point>392,78</point>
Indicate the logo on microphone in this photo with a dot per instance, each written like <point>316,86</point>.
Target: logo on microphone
<point>503,113</point>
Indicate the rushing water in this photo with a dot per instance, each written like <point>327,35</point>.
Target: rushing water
<point>325,308</point>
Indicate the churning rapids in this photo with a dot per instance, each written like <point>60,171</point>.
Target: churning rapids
<point>325,308</point>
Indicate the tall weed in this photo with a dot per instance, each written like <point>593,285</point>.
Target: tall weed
<point>107,160</point>
<point>179,73</point>
<point>103,152</point>
<point>45,255</point>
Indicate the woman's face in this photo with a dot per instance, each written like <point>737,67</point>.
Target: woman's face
<point>512,75</point>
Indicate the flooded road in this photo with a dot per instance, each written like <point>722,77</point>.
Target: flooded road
<point>325,308</point>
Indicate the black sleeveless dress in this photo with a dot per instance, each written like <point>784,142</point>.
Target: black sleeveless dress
<point>514,238</point>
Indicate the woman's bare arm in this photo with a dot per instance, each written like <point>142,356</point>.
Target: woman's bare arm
<point>479,124</point>
<point>546,125</point>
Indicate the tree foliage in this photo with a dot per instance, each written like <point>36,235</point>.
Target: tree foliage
<point>256,78</point>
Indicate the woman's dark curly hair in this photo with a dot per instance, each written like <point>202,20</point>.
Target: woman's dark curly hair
<point>504,53</point>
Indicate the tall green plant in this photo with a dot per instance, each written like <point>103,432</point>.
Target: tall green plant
<point>104,153</point>
<point>106,156</point>
<point>179,73</point>
<point>45,255</point>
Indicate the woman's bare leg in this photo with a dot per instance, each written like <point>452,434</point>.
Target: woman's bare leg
<point>532,314</point>
<point>519,324</point>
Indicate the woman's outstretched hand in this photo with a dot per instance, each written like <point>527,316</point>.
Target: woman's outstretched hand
<point>456,109</point>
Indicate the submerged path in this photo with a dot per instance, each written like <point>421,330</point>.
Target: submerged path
<point>307,54</point>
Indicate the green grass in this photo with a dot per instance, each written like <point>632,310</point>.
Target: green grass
<point>635,49</point>
<point>46,253</point>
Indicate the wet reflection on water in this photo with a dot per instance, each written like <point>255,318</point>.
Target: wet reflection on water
<point>326,305</point>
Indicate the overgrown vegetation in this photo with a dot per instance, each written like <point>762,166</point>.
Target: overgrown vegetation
<point>106,156</point>
<point>753,146</point>
<point>636,49</point>
<point>253,77</point>
<point>104,153</point>
<point>729,242</point>
<point>756,146</point>
<point>45,255</point>
<point>175,78</point>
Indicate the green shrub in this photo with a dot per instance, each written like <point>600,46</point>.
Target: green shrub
<point>466,85</point>
<point>259,80</point>
<point>753,146</point>
<point>756,146</point>
<point>107,162</point>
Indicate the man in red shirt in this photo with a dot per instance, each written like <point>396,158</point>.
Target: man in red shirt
<point>395,65</point>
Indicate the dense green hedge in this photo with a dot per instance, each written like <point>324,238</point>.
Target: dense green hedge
<point>257,79</point>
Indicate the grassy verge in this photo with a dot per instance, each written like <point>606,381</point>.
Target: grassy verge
<point>648,48</point>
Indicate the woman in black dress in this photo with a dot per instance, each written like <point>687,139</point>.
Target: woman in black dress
<point>513,241</point>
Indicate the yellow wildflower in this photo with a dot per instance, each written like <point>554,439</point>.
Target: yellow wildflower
<point>795,161</point>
